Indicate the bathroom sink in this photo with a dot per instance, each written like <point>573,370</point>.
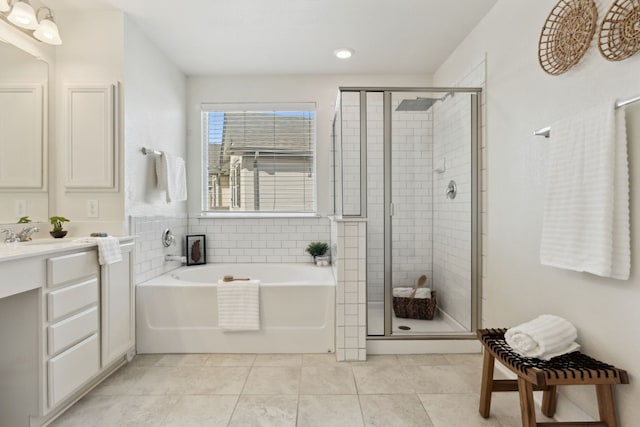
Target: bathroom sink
<point>39,242</point>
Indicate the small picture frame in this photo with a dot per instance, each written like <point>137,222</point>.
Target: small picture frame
<point>196,249</point>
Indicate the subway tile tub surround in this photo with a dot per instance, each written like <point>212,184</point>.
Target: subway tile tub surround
<point>260,240</point>
<point>150,261</point>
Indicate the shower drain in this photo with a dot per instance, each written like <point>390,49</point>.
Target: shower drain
<point>404,328</point>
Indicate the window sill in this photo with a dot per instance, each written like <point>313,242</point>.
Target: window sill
<point>257,215</point>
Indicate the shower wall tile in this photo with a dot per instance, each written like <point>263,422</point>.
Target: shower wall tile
<point>412,192</point>
<point>350,271</point>
<point>150,252</point>
<point>452,229</point>
<point>259,240</point>
<point>452,238</point>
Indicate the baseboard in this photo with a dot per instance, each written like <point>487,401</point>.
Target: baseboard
<point>422,346</point>
<point>566,410</point>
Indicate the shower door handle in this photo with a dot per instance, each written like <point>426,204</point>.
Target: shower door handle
<point>392,209</point>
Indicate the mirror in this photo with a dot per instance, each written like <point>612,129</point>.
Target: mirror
<point>23,135</point>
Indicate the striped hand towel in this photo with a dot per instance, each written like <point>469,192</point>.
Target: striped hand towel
<point>239,305</point>
<point>586,207</point>
<point>544,337</point>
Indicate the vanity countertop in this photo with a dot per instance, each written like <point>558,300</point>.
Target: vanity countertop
<point>19,250</point>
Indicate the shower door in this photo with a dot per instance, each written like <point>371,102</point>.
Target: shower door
<point>429,144</point>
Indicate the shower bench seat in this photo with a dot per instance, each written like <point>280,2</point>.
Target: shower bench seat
<point>539,375</point>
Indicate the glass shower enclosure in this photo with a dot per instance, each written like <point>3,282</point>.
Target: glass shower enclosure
<point>406,159</point>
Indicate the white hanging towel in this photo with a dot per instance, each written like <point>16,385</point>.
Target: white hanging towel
<point>239,305</point>
<point>172,177</point>
<point>544,337</point>
<point>586,207</point>
<point>109,250</point>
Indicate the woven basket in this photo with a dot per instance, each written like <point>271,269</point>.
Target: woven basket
<point>416,308</point>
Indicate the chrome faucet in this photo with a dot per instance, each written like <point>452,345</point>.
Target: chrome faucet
<point>11,236</point>
<point>25,234</point>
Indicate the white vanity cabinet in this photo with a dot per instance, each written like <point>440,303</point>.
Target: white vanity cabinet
<point>66,323</point>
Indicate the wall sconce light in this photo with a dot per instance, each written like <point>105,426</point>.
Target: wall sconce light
<point>47,30</point>
<point>21,14</point>
<point>4,6</point>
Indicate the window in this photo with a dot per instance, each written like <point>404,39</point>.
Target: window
<point>259,159</point>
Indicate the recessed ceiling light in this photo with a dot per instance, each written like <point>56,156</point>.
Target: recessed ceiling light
<point>343,53</point>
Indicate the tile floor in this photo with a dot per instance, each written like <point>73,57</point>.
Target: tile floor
<point>293,390</point>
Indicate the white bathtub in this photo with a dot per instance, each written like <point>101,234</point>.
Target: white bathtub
<point>177,312</point>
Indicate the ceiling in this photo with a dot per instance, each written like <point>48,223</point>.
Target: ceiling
<point>217,37</point>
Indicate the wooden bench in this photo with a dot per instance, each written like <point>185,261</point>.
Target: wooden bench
<point>539,375</point>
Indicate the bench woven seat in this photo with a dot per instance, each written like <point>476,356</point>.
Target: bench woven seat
<point>539,375</point>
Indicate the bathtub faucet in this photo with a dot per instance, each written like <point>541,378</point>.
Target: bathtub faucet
<point>181,259</point>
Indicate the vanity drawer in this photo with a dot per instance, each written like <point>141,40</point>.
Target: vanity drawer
<point>72,298</point>
<point>68,268</point>
<point>72,368</point>
<point>71,330</point>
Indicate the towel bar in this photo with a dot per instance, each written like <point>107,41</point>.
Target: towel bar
<point>546,131</point>
<point>147,151</point>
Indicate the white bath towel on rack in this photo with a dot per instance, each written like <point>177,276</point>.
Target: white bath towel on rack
<point>586,207</point>
<point>172,177</point>
<point>239,305</point>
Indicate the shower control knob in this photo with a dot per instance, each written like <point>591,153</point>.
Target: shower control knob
<point>452,190</point>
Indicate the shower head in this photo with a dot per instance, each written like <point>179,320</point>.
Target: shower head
<point>420,103</point>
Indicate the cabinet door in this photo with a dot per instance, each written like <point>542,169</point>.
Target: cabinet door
<point>91,139</point>
<point>118,327</point>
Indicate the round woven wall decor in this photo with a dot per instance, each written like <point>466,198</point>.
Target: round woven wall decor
<point>620,30</point>
<point>566,35</point>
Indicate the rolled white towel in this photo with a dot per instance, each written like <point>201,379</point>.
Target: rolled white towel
<point>406,292</point>
<point>544,337</point>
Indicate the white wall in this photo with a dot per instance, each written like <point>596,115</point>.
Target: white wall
<point>155,116</point>
<point>92,53</point>
<point>321,89</point>
<point>520,98</point>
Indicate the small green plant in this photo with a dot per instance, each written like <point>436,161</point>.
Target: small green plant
<point>24,220</point>
<point>57,221</point>
<point>317,248</point>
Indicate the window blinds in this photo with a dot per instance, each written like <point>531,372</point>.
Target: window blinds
<point>262,159</point>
